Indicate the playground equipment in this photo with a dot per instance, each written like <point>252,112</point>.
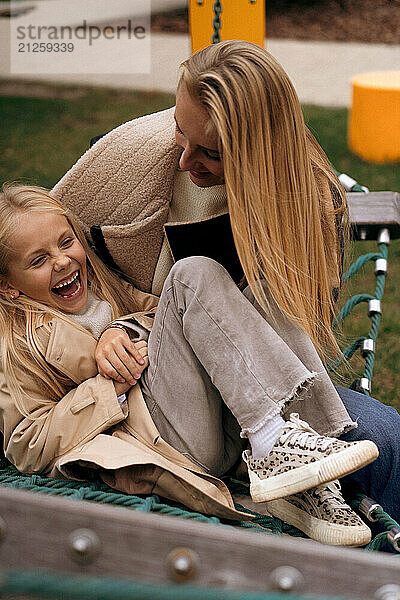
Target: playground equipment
<point>232,20</point>
<point>74,549</point>
<point>374,125</point>
<point>374,216</point>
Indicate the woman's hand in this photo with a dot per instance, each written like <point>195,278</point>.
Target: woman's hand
<point>120,359</point>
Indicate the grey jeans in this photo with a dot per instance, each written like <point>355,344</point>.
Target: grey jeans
<point>221,368</point>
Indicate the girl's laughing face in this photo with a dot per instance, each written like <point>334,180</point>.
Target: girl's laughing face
<point>48,263</point>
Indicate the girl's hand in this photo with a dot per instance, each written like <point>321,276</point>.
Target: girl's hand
<point>120,359</point>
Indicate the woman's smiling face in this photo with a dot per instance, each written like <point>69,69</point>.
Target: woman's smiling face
<point>200,154</point>
<point>48,263</point>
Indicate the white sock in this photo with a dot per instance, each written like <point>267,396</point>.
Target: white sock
<point>263,440</point>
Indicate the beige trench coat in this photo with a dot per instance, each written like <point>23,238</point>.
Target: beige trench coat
<point>88,430</point>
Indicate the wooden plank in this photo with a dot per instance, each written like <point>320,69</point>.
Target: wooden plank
<point>37,533</point>
<point>374,210</point>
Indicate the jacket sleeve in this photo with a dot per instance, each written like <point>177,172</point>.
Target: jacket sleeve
<point>34,442</point>
<point>145,301</point>
<point>147,305</point>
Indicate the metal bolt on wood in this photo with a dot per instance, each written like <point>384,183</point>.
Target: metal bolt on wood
<point>183,564</point>
<point>84,545</point>
<point>390,591</point>
<point>286,579</point>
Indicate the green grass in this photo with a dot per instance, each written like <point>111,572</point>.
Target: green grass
<point>329,126</point>
<point>42,137</point>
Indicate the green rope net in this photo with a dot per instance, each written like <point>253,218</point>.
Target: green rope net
<point>365,344</point>
<point>50,585</point>
<point>97,491</point>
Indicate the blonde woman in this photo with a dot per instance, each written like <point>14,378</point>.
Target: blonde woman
<point>232,173</point>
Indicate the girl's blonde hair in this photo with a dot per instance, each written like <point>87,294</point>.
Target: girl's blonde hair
<point>20,318</point>
<point>284,201</point>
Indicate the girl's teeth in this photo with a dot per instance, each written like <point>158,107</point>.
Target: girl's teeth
<point>67,282</point>
<point>69,296</point>
<point>73,283</point>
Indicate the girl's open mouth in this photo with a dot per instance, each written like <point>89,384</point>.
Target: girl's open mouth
<point>69,289</point>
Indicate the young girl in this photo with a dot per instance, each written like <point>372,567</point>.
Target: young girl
<point>210,379</point>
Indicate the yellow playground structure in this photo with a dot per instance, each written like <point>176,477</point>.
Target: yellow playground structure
<point>232,20</point>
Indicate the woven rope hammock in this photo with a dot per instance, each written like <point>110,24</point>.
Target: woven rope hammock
<point>50,585</point>
<point>98,491</point>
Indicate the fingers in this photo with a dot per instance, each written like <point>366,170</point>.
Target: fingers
<point>119,365</point>
<point>120,359</point>
<point>113,361</point>
<point>139,351</point>
<point>141,345</point>
<point>135,354</point>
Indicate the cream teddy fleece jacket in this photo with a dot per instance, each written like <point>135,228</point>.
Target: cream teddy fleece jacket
<point>124,184</point>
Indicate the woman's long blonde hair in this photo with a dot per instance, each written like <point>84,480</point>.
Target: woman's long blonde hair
<point>20,318</point>
<point>284,201</point>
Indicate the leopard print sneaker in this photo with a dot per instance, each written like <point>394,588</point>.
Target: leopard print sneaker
<point>323,515</point>
<point>302,459</point>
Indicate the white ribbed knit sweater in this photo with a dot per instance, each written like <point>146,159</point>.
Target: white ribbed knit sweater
<point>189,203</point>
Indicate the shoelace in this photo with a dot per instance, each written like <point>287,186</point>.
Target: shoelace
<point>307,437</point>
<point>331,492</point>
<point>295,421</point>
